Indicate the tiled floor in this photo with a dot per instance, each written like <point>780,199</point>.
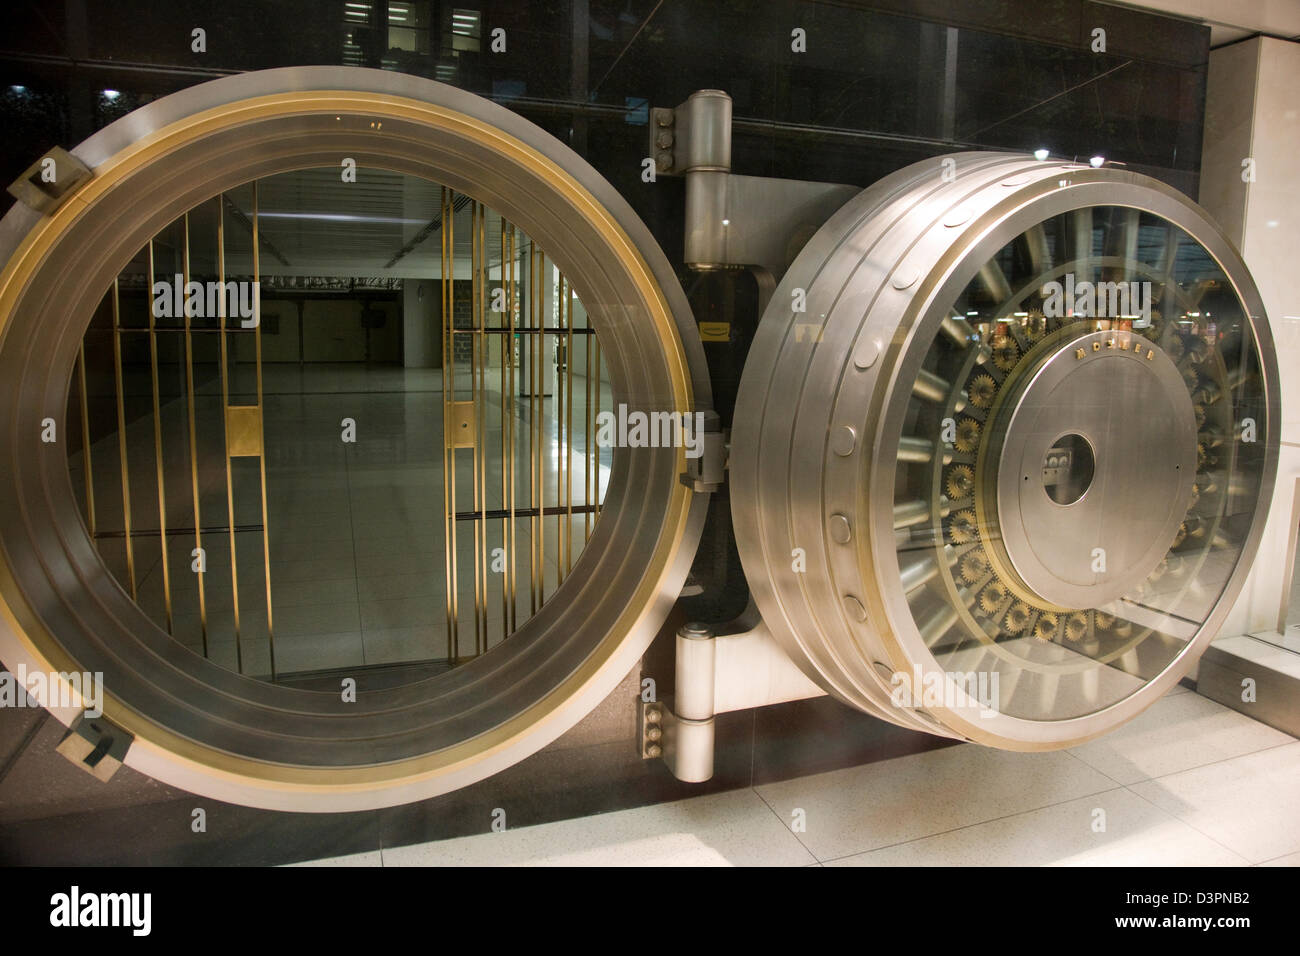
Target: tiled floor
<point>1187,783</point>
<point>357,544</point>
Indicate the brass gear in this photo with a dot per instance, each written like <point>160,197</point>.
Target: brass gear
<point>974,566</point>
<point>1076,626</point>
<point>981,389</point>
<point>1036,325</point>
<point>1103,620</point>
<point>991,597</point>
<point>960,483</point>
<point>968,435</point>
<point>1017,618</point>
<point>962,529</point>
<point>1006,353</point>
<point>1045,626</point>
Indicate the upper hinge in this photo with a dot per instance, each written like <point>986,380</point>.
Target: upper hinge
<point>50,180</point>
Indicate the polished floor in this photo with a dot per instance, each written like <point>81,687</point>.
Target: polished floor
<point>357,547</point>
<point>1187,783</point>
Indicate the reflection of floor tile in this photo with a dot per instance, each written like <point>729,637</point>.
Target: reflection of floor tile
<point>294,655</point>
<point>726,829</point>
<point>346,521</point>
<point>403,612</point>
<point>317,619</point>
<point>405,644</point>
<point>893,801</point>
<point>1246,803</point>
<point>1175,734</point>
<point>1128,831</point>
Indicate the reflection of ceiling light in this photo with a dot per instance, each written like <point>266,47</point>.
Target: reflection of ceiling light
<point>340,217</point>
<point>20,90</point>
<point>1041,154</point>
<point>465,22</point>
<point>111,95</point>
<point>1097,161</point>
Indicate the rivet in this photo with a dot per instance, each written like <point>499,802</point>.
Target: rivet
<point>840,529</point>
<point>904,276</point>
<point>1016,180</point>
<point>867,353</point>
<point>843,440</point>
<point>855,608</point>
<point>956,217</point>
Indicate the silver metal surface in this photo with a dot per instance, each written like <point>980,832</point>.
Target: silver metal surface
<point>735,221</point>
<point>1125,397</point>
<point>885,272</point>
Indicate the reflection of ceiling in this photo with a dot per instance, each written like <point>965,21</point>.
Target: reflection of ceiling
<point>324,226</point>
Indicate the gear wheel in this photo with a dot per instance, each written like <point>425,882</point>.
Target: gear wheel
<point>1006,353</point>
<point>991,597</point>
<point>1045,626</point>
<point>968,435</point>
<point>1076,626</point>
<point>960,483</point>
<point>1036,325</point>
<point>962,529</point>
<point>974,566</point>
<point>1017,618</point>
<point>1103,621</point>
<point>981,390</point>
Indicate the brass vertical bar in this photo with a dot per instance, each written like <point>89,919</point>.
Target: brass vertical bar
<point>568,437</point>
<point>225,402</point>
<point>85,438</point>
<point>557,408</point>
<point>509,389</point>
<point>595,495</point>
<point>261,458</point>
<point>476,340</point>
<point>535,300</point>
<point>589,437</point>
<point>480,414</point>
<point>447,323</point>
<point>194,447</point>
<point>505,457</point>
<point>121,436</point>
<point>157,449</point>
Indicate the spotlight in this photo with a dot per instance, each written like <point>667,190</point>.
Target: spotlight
<point>1041,154</point>
<point>111,95</point>
<point>1097,161</point>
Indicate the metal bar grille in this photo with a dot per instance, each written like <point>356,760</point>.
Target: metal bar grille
<point>518,433</point>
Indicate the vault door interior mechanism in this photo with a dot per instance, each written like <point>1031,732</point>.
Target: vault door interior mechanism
<point>1027,450</point>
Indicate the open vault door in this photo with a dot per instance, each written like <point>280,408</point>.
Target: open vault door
<point>1001,455</point>
<point>552,258</point>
